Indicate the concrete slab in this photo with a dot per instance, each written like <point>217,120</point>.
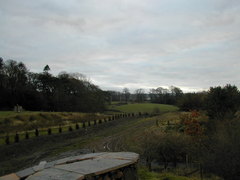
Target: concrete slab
<point>121,155</point>
<point>55,174</point>
<point>78,158</point>
<point>50,164</point>
<point>25,173</point>
<point>40,167</point>
<point>94,166</point>
<point>76,167</point>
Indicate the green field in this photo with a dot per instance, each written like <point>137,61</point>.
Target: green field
<point>11,122</point>
<point>143,107</point>
<point>124,134</point>
<point>118,135</point>
<point>144,174</point>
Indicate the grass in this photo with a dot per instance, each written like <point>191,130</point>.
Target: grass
<point>120,135</point>
<point>143,107</point>
<point>144,174</point>
<point>11,122</point>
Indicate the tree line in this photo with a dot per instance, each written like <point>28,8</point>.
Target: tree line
<point>218,102</point>
<point>46,92</point>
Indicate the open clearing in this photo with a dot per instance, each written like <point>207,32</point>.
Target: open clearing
<point>143,107</point>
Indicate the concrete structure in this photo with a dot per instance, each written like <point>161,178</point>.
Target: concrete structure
<point>94,166</point>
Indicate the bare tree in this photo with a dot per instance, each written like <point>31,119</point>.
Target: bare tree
<point>140,95</point>
<point>126,94</point>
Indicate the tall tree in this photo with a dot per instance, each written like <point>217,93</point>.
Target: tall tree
<point>46,69</point>
<point>223,102</point>
<point>126,94</point>
<point>140,95</point>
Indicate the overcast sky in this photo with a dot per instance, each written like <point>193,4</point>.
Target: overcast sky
<point>191,44</point>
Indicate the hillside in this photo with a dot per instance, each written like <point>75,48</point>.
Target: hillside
<point>118,135</point>
<point>142,107</point>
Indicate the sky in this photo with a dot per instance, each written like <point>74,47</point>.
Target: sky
<point>191,44</point>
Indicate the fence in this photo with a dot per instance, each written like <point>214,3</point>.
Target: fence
<point>17,137</point>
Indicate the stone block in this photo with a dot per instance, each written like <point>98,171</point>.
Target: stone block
<point>52,173</point>
<point>25,173</point>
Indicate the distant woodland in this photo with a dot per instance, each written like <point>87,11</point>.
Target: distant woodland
<point>74,92</point>
<point>46,92</point>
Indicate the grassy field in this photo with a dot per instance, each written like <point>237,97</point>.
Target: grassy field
<point>143,107</point>
<point>144,174</point>
<point>124,134</point>
<point>11,122</point>
<point>118,135</point>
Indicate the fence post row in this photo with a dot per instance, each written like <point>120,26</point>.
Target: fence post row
<point>49,131</point>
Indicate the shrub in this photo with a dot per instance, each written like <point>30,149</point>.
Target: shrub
<point>31,118</point>
<point>60,129</point>
<point>70,128</point>
<point>7,121</point>
<point>16,138</point>
<point>49,131</point>
<point>222,157</point>
<point>26,135</point>
<point>84,125</point>
<point>36,132</point>
<point>7,141</point>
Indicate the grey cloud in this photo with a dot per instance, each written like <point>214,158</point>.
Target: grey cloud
<point>137,43</point>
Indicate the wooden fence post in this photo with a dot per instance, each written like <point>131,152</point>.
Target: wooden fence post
<point>36,132</point>
<point>7,141</point>
<point>16,138</point>
<point>60,129</point>
<point>84,125</point>
<point>26,135</point>
<point>49,131</point>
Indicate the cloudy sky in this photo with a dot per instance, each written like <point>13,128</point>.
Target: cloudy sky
<point>191,44</point>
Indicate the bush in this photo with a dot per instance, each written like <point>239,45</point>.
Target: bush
<point>31,118</point>
<point>222,157</point>
<point>7,141</point>
<point>223,102</point>
<point>7,121</point>
<point>70,128</point>
<point>165,147</point>
<point>16,138</point>
<point>26,135</point>
<point>60,129</point>
<point>36,132</point>
<point>49,131</point>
